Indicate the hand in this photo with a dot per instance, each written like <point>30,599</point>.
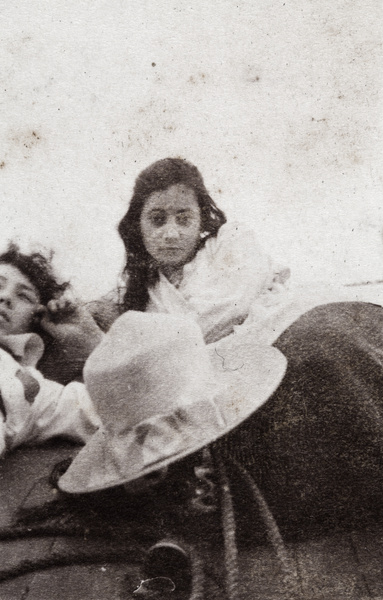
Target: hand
<point>71,324</point>
<point>62,308</point>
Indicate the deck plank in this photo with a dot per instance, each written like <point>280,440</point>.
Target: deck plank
<point>25,470</point>
<point>23,484</point>
<point>342,566</point>
<point>12,553</point>
<point>368,547</point>
<point>260,574</point>
<point>101,582</point>
<point>328,569</point>
<point>259,570</point>
<point>16,589</point>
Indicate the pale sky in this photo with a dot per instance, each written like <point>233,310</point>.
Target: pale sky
<point>278,103</point>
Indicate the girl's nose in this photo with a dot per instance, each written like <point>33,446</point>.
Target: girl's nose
<point>171,232</point>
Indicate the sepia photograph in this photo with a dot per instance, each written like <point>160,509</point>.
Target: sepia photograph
<point>191,300</point>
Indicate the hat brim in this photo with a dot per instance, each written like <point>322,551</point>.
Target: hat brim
<point>248,381</point>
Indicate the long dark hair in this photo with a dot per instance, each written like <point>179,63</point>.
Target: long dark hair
<point>140,272</point>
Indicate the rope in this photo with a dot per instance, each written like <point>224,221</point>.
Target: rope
<point>198,577</point>
<point>63,560</point>
<point>290,576</point>
<point>197,574</point>
<point>68,528</point>
<point>228,525</point>
<point>124,547</point>
<point>17,532</point>
<point>72,525</point>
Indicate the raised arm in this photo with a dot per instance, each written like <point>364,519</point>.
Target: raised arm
<point>71,335</point>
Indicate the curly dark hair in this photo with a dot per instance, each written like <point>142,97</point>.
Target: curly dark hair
<point>140,272</point>
<point>38,269</point>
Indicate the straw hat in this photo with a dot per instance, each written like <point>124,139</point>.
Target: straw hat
<point>161,397</point>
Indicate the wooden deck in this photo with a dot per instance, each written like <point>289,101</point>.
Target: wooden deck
<point>343,566</point>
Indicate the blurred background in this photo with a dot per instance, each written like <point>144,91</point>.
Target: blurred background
<point>278,104</point>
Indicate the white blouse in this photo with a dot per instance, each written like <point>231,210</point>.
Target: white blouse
<point>225,279</point>
<point>232,287</point>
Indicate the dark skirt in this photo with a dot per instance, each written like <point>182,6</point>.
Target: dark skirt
<point>316,447</point>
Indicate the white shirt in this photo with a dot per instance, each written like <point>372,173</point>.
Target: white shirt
<point>37,409</point>
<point>219,286</point>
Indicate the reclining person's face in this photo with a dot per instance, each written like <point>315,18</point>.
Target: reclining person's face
<point>19,301</point>
<point>171,225</point>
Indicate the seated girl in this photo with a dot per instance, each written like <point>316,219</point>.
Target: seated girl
<point>33,408</point>
<point>316,446</point>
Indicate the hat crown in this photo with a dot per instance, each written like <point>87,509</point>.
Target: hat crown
<point>147,365</point>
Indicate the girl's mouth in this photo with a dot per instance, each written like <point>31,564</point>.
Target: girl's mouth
<point>4,316</point>
<point>171,249</point>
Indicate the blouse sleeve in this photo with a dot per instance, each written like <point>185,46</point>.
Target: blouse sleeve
<point>233,275</point>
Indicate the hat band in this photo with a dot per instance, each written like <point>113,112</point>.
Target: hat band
<point>163,436</point>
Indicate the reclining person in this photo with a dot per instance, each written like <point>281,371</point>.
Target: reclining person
<point>32,407</point>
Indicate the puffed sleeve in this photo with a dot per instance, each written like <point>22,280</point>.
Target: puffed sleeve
<point>56,410</point>
<point>230,274</point>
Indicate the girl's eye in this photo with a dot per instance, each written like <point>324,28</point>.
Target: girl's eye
<point>158,220</point>
<point>183,220</point>
<point>26,298</point>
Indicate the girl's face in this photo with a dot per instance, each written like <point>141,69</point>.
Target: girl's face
<point>171,225</point>
<point>19,301</point>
